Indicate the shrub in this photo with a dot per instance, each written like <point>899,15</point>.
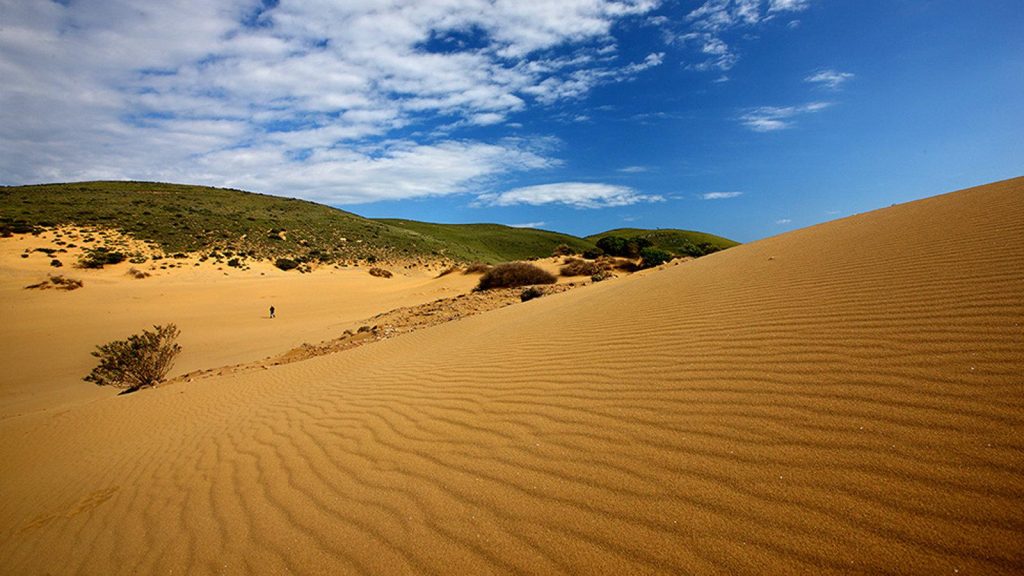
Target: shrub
<point>56,263</point>
<point>531,293</point>
<point>652,257</point>
<point>448,270</point>
<point>593,253</point>
<point>235,263</point>
<point>514,274</point>
<point>99,257</point>
<point>286,264</point>
<point>563,250</point>
<point>380,273</point>
<point>577,267</point>
<point>137,274</point>
<point>602,276</point>
<point>141,360</point>
<point>625,247</point>
<point>477,268</point>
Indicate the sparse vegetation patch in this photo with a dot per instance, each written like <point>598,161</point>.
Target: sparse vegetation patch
<point>514,274</point>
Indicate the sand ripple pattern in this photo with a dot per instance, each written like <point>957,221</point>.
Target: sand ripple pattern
<point>844,399</point>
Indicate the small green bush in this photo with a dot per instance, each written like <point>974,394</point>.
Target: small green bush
<point>286,264</point>
<point>100,257</point>
<point>514,274</point>
<point>593,253</point>
<point>651,257</point>
<point>141,360</point>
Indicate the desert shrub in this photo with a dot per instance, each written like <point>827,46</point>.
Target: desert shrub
<point>380,273</point>
<point>137,274</point>
<point>448,270</point>
<point>651,257</point>
<point>602,276</point>
<point>563,250</point>
<point>141,360</point>
<point>286,264</point>
<point>56,263</point>
<point>58,282</point>
<point>477,268</point>
<point>592,253</point>
<point>100,257</point>
<point>624,247</point>
<point>531,293</point>
<point>137,259</point>
<point>514,274</point>
<point>235,263</point>
<point>577,267</point>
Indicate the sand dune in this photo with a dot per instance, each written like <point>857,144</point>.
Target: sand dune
<point>846,398</point>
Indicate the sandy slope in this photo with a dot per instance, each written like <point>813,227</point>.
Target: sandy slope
<point>223,314</point>
<point>842,399</point>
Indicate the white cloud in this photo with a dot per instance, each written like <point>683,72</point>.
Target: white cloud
<point>294,98</point>
<point>829,78</point>
<point>772,118</point>
<point>633,169</point>
<point>527,225</point>
<point>782,221</point>
<point>710,22</point>
<point>720,195</point>
<point>788,5</point>
<point>575,194</point>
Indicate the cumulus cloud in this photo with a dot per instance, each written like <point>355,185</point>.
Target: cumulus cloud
<point>575,194</point>
<point>830,79</point>
<point>772,118</point>
<point>301,98</point>
<point>720,195</point>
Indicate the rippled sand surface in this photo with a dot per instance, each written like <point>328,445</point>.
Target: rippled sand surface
<point>847,398</point>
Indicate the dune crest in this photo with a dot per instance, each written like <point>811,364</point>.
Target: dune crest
<point>845,398</point>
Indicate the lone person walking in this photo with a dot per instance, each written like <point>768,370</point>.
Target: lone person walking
<point>272,311</point>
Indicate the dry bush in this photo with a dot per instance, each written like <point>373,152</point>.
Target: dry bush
<point>141,360</point>
<point>577,267</point>
<point>514,274</point>
<point>477,268</point>
<point>562,250</point>
<point>449,270</point>
<point>137,274</point>
<point>58,282</point>
<point>380,273</point>
<point>531,293</point>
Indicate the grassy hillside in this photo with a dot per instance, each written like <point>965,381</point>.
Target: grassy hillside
<point>183,218</point>
<point>491,242</point>
<point>197,218</point>
<point>673,240</point>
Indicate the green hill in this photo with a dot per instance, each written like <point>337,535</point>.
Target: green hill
<point>181,218</point>
<point>491,242</point>
<point>675,241</point>
<point>218,221</point>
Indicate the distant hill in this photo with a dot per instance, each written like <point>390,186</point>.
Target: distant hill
<point>492,242</point>
<point>184,218</point>
<point>675,241</point>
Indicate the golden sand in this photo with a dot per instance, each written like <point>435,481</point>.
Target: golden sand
<point>846,398</point>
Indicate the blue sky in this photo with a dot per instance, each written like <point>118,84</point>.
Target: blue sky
<point>744,118</point>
